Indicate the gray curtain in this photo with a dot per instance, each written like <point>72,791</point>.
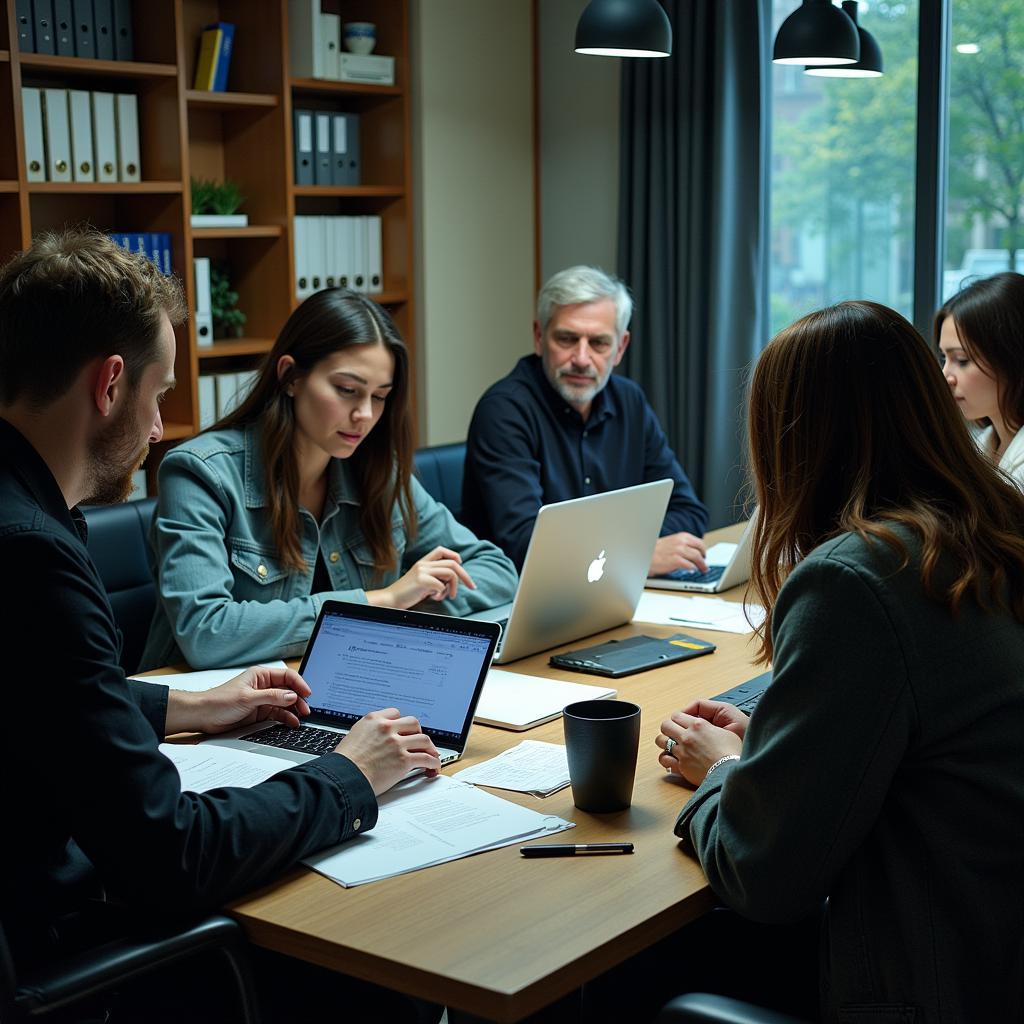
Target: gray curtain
<point>693,212</point>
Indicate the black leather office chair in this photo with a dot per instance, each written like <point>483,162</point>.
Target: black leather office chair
<point>702,1008</point>
<point>111,965</point>
<point>118,545</point>
<point>440,471</point>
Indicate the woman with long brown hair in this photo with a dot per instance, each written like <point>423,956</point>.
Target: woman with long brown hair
<point>882,773</point>
<point>305,493</point>
<point>980,335</point>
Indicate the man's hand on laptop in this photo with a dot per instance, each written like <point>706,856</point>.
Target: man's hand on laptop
<point>435,576</point>
<point>256,695</point>
<point>678,551</point>
<point>385,746</point>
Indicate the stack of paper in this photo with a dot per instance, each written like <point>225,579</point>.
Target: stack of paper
<point>533,767</point>
<point>513,700</point>
<point>423,822</point>
<point>670,609</point>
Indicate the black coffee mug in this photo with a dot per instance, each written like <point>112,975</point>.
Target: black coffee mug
<point>601,742</point>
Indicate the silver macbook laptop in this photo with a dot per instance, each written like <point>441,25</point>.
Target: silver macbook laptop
<point>584,570</point>
<point>361,658</point>
<point>728,566</point>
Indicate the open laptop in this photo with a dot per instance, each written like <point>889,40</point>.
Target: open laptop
<point>728,566</point>
<point>584,570</point>
<point>361,658</point>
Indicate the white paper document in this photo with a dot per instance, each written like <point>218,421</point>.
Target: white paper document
<point>530,767</point>
<point>195,682</point>
<point>670,609</point>
<point>513,700</point>
<point>204,766</point>
<point>423,822</point>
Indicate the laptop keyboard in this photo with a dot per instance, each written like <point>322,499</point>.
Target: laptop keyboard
<point>307,739</point>
<point>713,574</point>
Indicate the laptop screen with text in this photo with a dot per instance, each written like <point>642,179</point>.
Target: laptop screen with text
<point>355,665</point>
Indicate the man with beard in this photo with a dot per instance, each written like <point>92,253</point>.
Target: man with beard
<point>561,426</point>
<point>99,832</point>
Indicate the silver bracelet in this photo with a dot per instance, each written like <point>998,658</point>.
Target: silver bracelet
<point>721,761</point>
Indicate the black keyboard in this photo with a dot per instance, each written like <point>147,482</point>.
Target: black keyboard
<point>746,695</point>
<point>307,739</point>
<point>713,574</point>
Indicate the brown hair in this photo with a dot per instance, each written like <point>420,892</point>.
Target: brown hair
<point>325,323</point>
<point>989,320</point>
<point>852,428</point>
<point>74,296</point>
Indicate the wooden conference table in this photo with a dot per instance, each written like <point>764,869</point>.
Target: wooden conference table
<point>501,936</point>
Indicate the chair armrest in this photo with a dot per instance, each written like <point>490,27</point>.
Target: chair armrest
<point>702,1008</point>
<point>94,970</point>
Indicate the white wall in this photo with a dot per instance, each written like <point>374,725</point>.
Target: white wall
<point>579,145</point>
<point>474,201</point>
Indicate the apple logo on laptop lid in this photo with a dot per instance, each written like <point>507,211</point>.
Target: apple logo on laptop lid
<point>596,569</point>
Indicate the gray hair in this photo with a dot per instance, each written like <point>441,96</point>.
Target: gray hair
<point>584,284</point>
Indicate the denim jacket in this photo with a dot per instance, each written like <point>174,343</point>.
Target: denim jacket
<point>224,595</point>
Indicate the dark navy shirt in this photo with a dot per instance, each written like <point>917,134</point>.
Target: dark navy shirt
<point>96,810</point>
<point>528,447</point>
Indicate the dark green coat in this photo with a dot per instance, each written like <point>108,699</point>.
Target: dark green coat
<point>883,770</point>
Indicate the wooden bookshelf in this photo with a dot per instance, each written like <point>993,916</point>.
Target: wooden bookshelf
<point>244,134</point>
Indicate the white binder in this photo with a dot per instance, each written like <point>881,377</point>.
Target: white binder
<point>81,136</point>
<point>128,137</point>
<point>207,401</point>
<point>330,246</point>
<point>316,241</point>
<point>304,39</point>
<point>204,311</point>
<point>58,134</point>
<point>359,265</point>
<point>35,151</point>
<point>227,392</point>
<point>104,135</point>
<point>330,40</point>
<point>374,256</point>
<point>303,288</point>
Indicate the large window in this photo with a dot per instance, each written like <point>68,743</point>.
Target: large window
<point>984,211</point>
<point>843,166</point>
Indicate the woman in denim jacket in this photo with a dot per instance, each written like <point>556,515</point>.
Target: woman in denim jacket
<point>302,496</point>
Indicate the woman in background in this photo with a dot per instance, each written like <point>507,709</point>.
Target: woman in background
<point>306,494</point>
<point>980,333</point>
<point>880,781</point>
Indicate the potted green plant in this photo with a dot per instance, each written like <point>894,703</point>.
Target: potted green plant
<point>228,319</point>
<point>215,204</point>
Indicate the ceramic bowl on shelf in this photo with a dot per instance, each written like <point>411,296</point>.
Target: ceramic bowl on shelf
<point>360,36</point>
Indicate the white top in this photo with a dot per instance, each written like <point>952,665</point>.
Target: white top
<point>1012,460</point>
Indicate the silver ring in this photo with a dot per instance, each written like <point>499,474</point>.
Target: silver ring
<point>669,744</point>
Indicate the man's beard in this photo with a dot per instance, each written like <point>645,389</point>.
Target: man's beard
<point>578,394</point>
<point>113,458</point>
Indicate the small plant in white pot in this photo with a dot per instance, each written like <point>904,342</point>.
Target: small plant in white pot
<point>215,204</point>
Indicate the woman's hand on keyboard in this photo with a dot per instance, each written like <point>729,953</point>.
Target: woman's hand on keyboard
<point>385,746</point>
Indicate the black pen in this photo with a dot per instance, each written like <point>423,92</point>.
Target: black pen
<point>548,850</point>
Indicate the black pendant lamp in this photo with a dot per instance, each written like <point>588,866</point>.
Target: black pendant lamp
<point>870,63</point>
<point>624,28</point>
<point>817,33</point>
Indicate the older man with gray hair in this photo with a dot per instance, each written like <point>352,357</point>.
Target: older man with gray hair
<point>561,426</point>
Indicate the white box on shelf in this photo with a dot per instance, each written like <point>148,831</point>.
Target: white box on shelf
<point>371,69</point>
<point>219,220</point>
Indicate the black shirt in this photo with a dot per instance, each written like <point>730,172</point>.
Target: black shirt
<point>93,808</point>
<point>528,447</point>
